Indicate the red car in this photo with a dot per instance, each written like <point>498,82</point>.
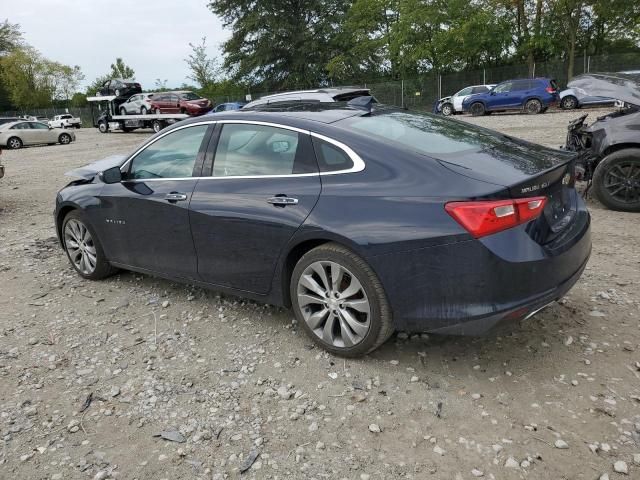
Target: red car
<point>180,102</point>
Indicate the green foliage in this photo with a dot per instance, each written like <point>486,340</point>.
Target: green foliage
<point>79,100</point>
<point>204,69</point>
<point>120,70</point>
<point>10,37</point>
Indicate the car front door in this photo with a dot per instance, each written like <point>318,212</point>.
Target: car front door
<point>132,105</point>
<point>500,96</point>
<point>459,97</point>
<point>41,133</point>
<point>263,185</point>
<point>145,218</point>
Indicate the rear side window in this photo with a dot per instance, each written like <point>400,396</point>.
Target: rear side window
<point>521,85</point>
<point>464,91</point>
<point>246,150</point>
<point>479,90</point>
<point>330,158</point>
<point>172,156</point>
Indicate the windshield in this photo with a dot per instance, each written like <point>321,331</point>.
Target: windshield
<point>423,133</point>
<point>190,96</point>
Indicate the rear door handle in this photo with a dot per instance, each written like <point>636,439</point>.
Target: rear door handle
<point>282,201</point>
<point>175,196</point>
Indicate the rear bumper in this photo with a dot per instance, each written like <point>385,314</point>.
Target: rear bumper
<point>468,286</point>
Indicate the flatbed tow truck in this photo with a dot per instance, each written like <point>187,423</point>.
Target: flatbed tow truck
<point>103,111</point>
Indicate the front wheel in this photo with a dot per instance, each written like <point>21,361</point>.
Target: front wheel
<point>123,111</point>
<point>569,103</point>
<point>477,109</point>
<point>533,106</point>
<point>143,110</point>
<point>616,181</point>
<point>64,139</point>
<point>103,127</point>
<point>157,125</point>
<point>83,249</point>
<point>340,302</point>
<point>447,109</point>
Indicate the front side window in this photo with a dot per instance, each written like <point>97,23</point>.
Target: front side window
<point>504,87</point>
<point>172,156</point>
<point>479,90</point>
<point>38,126</point>
<point>255,150</point>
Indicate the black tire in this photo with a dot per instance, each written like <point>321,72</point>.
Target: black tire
<point>380,319</point>
<point>103,127</point>
<point>616,181</point>
<point>157,111</point>
<point>157,125</point>
<point>123,111</point>
<point>447,109</point>
<point>143,110</point>
<point>183,111</point>
<point>65,139</point>
<point>477,109</point>
<point>103,268</point>
<point>14,143</point>
<point>569,102</point>
<point>533,106</point>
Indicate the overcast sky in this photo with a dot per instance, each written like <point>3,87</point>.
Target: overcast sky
<point>152,36</point>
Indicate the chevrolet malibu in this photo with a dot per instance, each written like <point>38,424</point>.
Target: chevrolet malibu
<point>18,134</point>
<point>362,221</point>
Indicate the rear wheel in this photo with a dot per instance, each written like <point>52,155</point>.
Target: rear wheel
<point>14,143</point>
<point>533,106</point>
<point>447,109</point>
<point>340,302</point>
<point>157,125</point>
<point>83,248</point>
<point>477,109</point>
<point>64,139</point>
<point>157,111</point>
<point>143,110</point>
<point>616,181</point>
<point>569,102</point>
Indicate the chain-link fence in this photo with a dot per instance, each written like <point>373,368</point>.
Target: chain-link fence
<point>420,93</point>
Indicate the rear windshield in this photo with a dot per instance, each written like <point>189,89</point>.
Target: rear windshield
<point>190,96</point>
<point>423,133</point>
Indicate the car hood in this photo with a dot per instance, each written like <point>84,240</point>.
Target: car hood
<point>624,86</point>
<point>89,171</point>
<point>444,99</point>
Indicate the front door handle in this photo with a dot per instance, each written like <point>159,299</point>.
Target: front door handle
<point>282,201</point>
<point>175,197</point>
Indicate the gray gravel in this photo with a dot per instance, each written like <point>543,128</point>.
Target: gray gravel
<point>98,380</point>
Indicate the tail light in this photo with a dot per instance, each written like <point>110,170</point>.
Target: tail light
<point>550,90</point>
<point>483,218</point>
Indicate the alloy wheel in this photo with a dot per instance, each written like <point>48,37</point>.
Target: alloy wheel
<point>65,139</point>
<point>80,246</point>
<point>14,143</point>
<point>622,182</point>
<point>334,304</point>
<point>447,110</point>
<point>569,103</point>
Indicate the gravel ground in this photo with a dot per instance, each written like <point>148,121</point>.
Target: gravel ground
<point>135,377</point>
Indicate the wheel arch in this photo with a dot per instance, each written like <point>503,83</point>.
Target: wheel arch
<point>617,147</point>
<point>297,250</point>
<point>62,212</point>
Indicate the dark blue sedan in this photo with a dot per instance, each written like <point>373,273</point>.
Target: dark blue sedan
<point>363,222</point>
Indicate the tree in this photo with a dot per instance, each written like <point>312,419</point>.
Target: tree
<point>204,69</point>
<point>26,76</point>
<point>280,43</point>
<point>10,37</point>
<point>120,70</point>
<point>161,85</point>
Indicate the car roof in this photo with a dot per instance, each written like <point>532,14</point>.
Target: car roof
<point>319,95</point>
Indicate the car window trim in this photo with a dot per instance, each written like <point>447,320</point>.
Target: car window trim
<point>358,163</point>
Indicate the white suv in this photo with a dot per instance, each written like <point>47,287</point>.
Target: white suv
<point>136,104</point>
<point>453,104</point>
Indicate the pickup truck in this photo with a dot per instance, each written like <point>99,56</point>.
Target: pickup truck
<point>65,121</point>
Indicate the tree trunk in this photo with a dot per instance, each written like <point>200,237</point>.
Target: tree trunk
<point>572,53</point>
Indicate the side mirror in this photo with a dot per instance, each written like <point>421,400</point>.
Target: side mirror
<point>111,175</point>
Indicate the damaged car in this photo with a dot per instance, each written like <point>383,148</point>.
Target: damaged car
<point>609,148</point>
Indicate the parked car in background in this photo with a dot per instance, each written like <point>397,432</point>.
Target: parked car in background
<point>180,102</point>
<point>226,107</point>
<point>453,104</point>
<point>362,221</point>
<point>66,120</point>
<point>21,133</point>
<point>571,98</point>
<point>119,88</point>
<point>321,95</point>
<point>531,95</point>
<point>609,148</point>
<point>138,103</point>
<point>4,120</point>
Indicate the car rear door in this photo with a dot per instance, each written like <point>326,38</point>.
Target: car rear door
<point>144,219</point>
<point>40,133</point>
<point>263,184</point>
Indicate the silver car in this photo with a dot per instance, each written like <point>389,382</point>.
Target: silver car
<point>571,98</point>
<point>137,104</point>
<point>18,134</point>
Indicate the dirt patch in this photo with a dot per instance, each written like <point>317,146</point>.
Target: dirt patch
<point>142,378</point>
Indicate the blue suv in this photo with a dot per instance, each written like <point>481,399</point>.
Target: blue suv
<point>533,95</point>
